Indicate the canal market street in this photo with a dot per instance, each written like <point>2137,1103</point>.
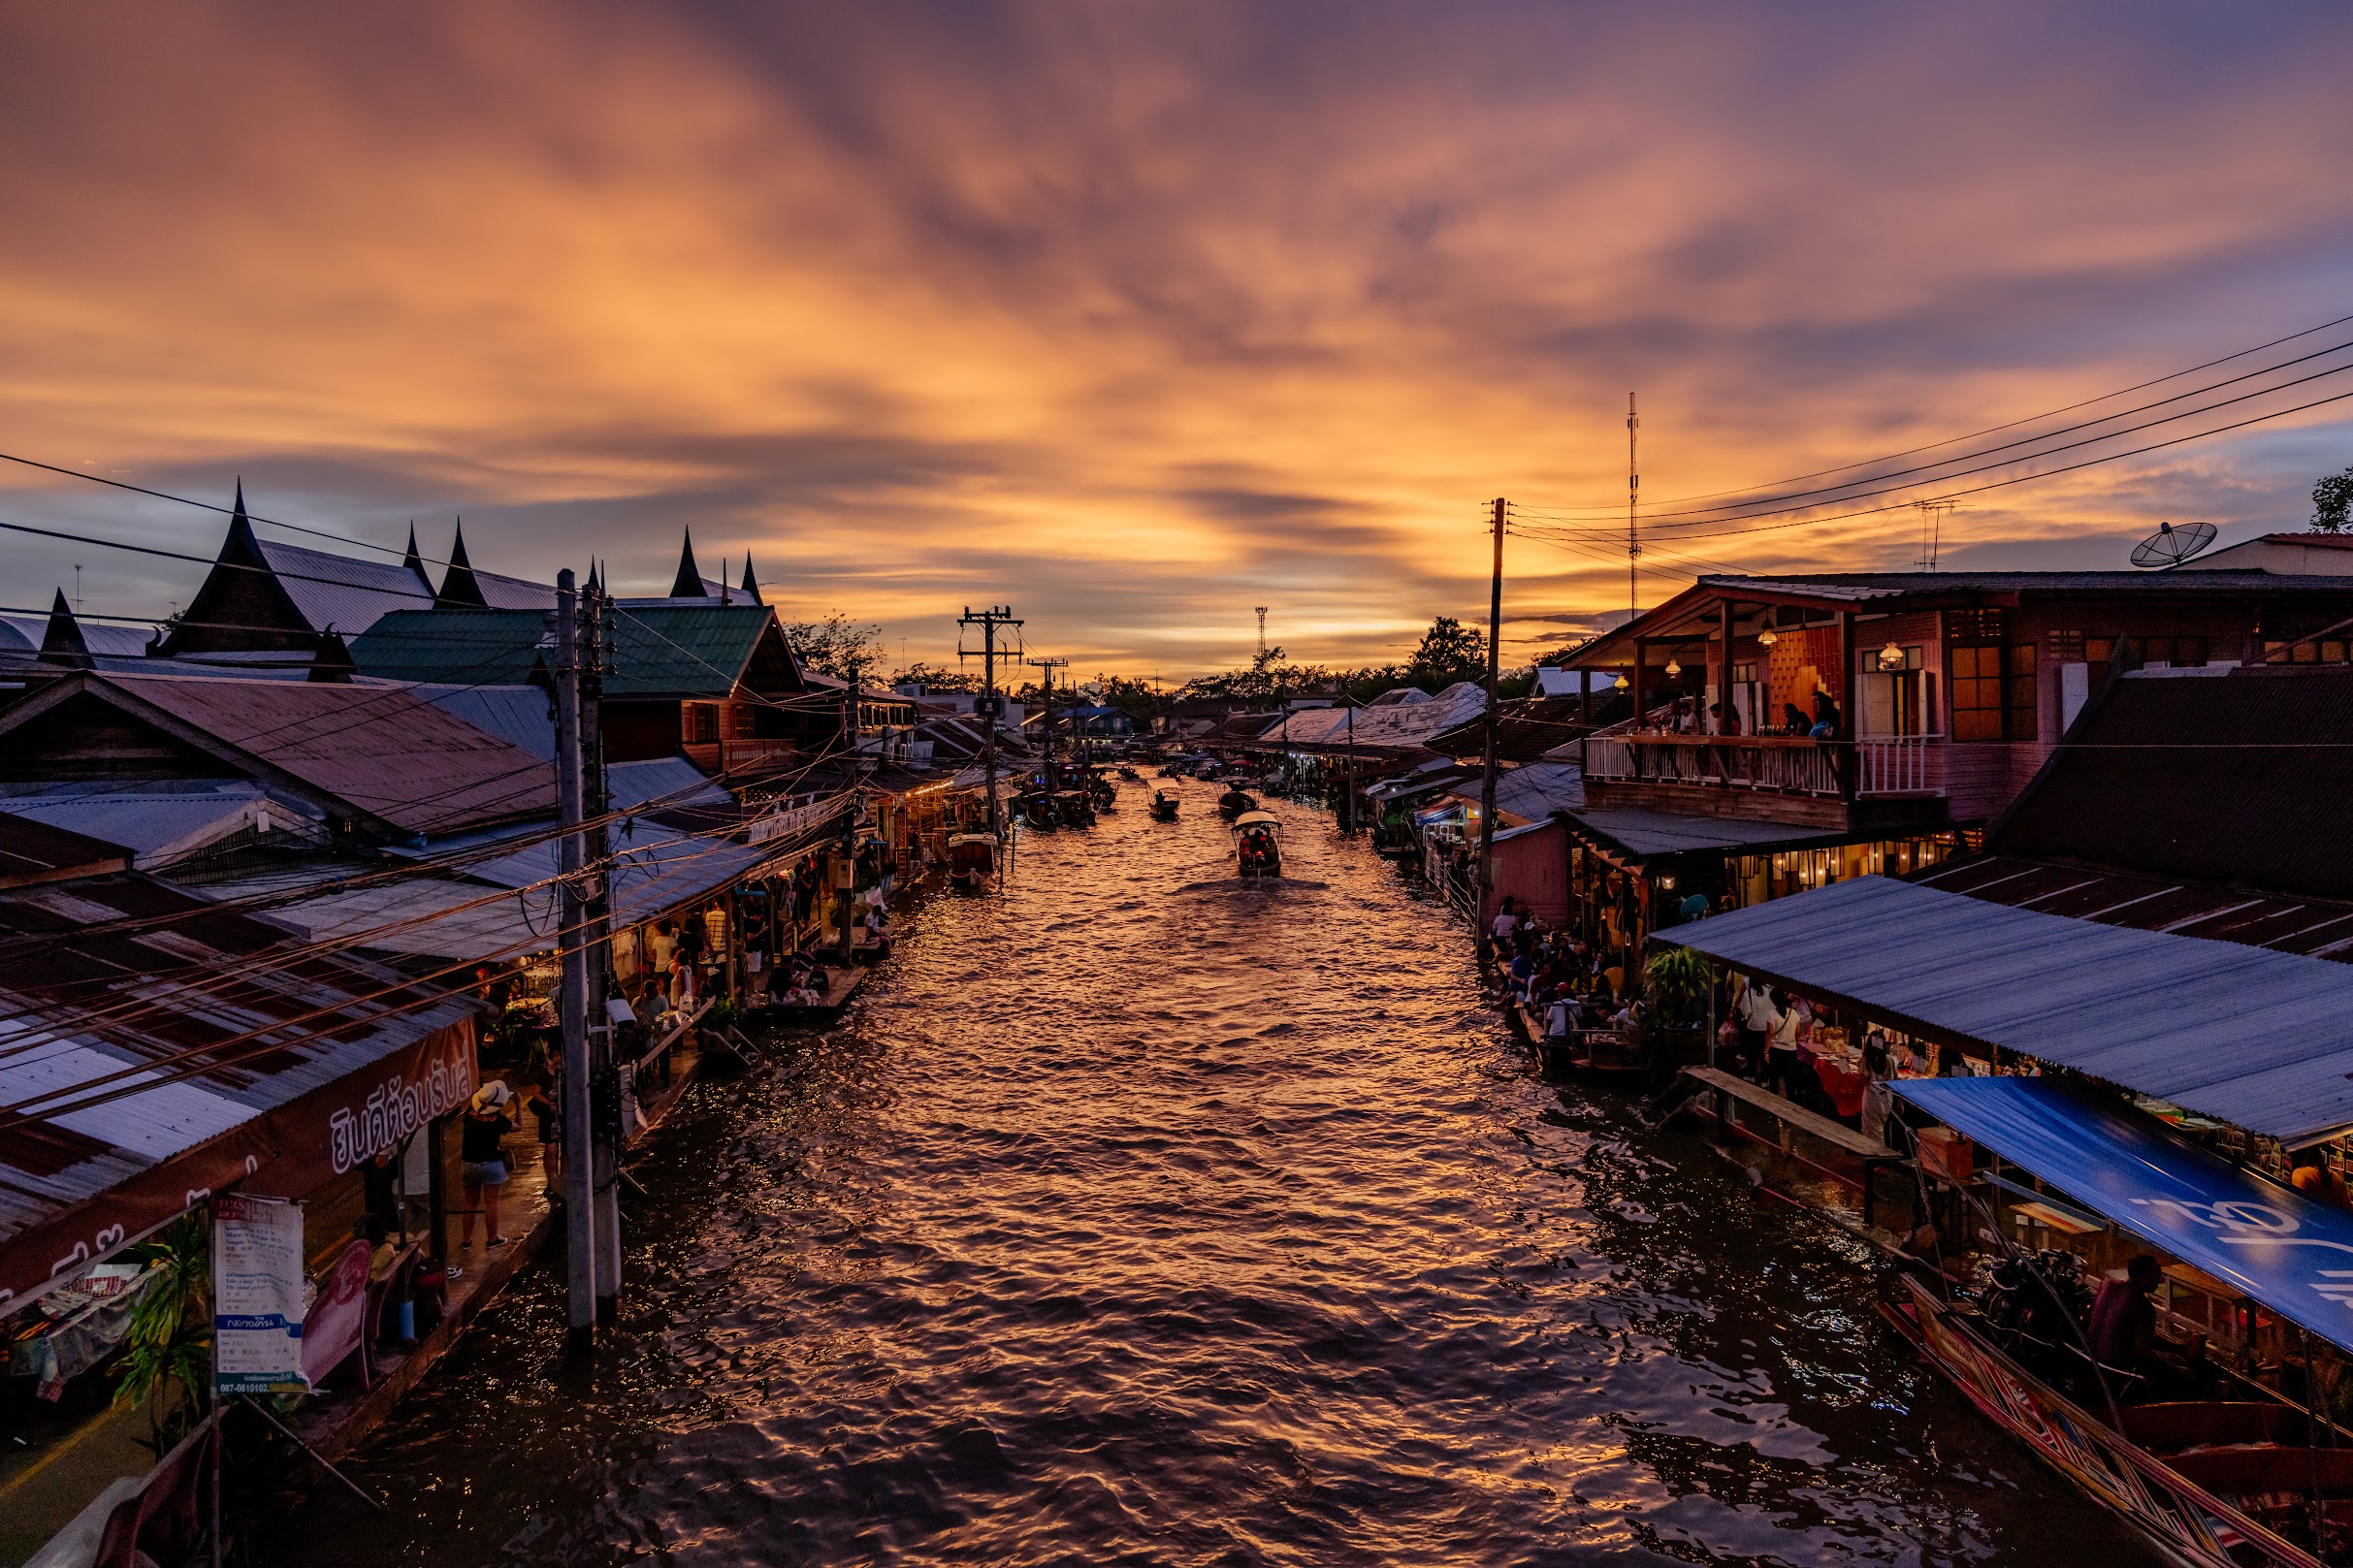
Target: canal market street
<point>1134,1215</point>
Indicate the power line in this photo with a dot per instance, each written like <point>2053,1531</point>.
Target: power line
<point>1995,429</point>
<point>1666,519</point>
<point>2020,479</point>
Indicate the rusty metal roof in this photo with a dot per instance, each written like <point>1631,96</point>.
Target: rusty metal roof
<point>36,852</point>
<point>381,751</point>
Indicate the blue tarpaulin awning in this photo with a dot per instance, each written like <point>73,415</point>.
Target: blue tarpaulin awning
<point>2282,1249</point>
<point>2259,1039</point>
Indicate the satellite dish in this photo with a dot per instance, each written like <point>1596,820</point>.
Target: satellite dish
<point>2171,546</point>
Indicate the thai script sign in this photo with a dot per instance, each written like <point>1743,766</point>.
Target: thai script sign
<point>398,1107</point>
<point>257,1296</point>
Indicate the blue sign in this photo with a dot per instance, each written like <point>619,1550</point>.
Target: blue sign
<point>2282,1249</point>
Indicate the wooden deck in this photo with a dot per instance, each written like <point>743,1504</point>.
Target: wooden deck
<point>1867,1151</point>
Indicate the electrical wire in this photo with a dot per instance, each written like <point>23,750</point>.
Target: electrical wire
<point>1597,512</point>
<point>2020,479</point>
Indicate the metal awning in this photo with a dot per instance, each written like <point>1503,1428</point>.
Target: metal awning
<point>2280,1248</point>
<point>2259,1039</point>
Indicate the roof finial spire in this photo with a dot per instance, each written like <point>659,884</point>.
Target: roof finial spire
<point>689,584</point>
<point>750,581</point>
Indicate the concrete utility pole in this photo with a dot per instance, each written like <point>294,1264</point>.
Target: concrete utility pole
<point>1633,492</point>
<point>580,1236</point>
<point>1054,777</point>
<point>1487,785</point>
<point>991,706</point>
<point>849,876</point>
<point>596,662</point>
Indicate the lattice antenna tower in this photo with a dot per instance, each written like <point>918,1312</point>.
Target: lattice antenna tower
<point>1261,630</point>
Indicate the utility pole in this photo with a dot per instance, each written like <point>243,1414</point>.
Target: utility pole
<point>595,662</point>
<point>1053,778</point>
<point>991,706</point>
<point>580,1235</point>
<point>1350,796</point>
<point>1633,492</point>
<point>848,873</point>
<point>1487,785</point>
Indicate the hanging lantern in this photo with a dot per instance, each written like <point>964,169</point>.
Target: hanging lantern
<point>1673,670</point>
<point>1623,682</point>
<point>1766,639</point>
<point>1892,658</point>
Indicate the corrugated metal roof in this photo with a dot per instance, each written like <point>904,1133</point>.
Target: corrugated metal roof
<point>1401,726</point>
<point>684,648</point>
<point>48,1042</point>
<point>517,715</point>
<point>2258,1039</point>
<point>2320,928</point>
<point>514,592</point>
<point>384,749</point>
<point>1861,586</point>
<point>32,850</point>
<point>456,646</point>
<point>157,825</point>
<point>1641,835</point>
<point>1530,793</point>
<point>336,593</point>
<point>2236,780</point>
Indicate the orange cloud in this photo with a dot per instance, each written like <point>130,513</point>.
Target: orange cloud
<point>1136,316</point>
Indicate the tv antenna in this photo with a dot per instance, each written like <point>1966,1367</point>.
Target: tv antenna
<point>1932,530</point>
<point>2171,546</point>
<point>1261,630</point>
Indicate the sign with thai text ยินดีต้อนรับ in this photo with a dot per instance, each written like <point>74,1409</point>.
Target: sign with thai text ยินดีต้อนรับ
<point>257,1296</point>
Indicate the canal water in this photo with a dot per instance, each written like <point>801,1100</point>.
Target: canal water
<point>1139,1216</point>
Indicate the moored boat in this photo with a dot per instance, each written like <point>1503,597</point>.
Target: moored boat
<point>1235,802</point>
<point>972,861</point>
<point>2203,1446</point>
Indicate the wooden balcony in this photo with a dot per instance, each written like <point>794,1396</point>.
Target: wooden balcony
<point>738,758</point>
<point>1893,783</point>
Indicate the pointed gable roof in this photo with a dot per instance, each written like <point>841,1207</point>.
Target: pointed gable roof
<point>465,587</point>
<point>262,595</point>
<point>62,643</point>
<point>412,561</point>
<point>750,589</point>
<point>689,584</point>
<point>459,591</point>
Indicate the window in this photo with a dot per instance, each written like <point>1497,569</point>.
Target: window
<point>1977,694</point>
<point>1994,693</point>
<point>2022,696</point>
<point>702,723</point>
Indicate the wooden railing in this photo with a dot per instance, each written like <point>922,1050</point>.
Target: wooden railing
<point>1785,764</point>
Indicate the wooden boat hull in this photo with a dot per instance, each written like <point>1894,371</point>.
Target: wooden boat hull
<point>2185,1522</point>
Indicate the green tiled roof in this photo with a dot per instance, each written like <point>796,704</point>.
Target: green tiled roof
<point>683,650</point>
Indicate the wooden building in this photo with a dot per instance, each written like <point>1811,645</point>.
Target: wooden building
<point>1943,693</point>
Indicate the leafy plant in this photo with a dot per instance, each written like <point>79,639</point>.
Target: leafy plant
<point>724,1011</point>
<point>2332,501</point>
<point>167,1356</point>
<point>1677,982</point>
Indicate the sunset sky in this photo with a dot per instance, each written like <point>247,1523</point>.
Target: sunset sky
<point>1137,315</point>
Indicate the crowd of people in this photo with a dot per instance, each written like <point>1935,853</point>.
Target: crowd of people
<point>1558,975</point>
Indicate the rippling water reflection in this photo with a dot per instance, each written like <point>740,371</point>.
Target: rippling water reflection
<point>1138,1216</point>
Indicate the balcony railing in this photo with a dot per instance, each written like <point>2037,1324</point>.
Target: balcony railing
<point>1792,764</point>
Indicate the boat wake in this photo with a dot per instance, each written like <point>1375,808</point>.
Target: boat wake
<point>1248,884</point>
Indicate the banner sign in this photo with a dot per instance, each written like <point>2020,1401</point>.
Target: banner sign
<point>794,820</point>
<point>257,1296</point>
